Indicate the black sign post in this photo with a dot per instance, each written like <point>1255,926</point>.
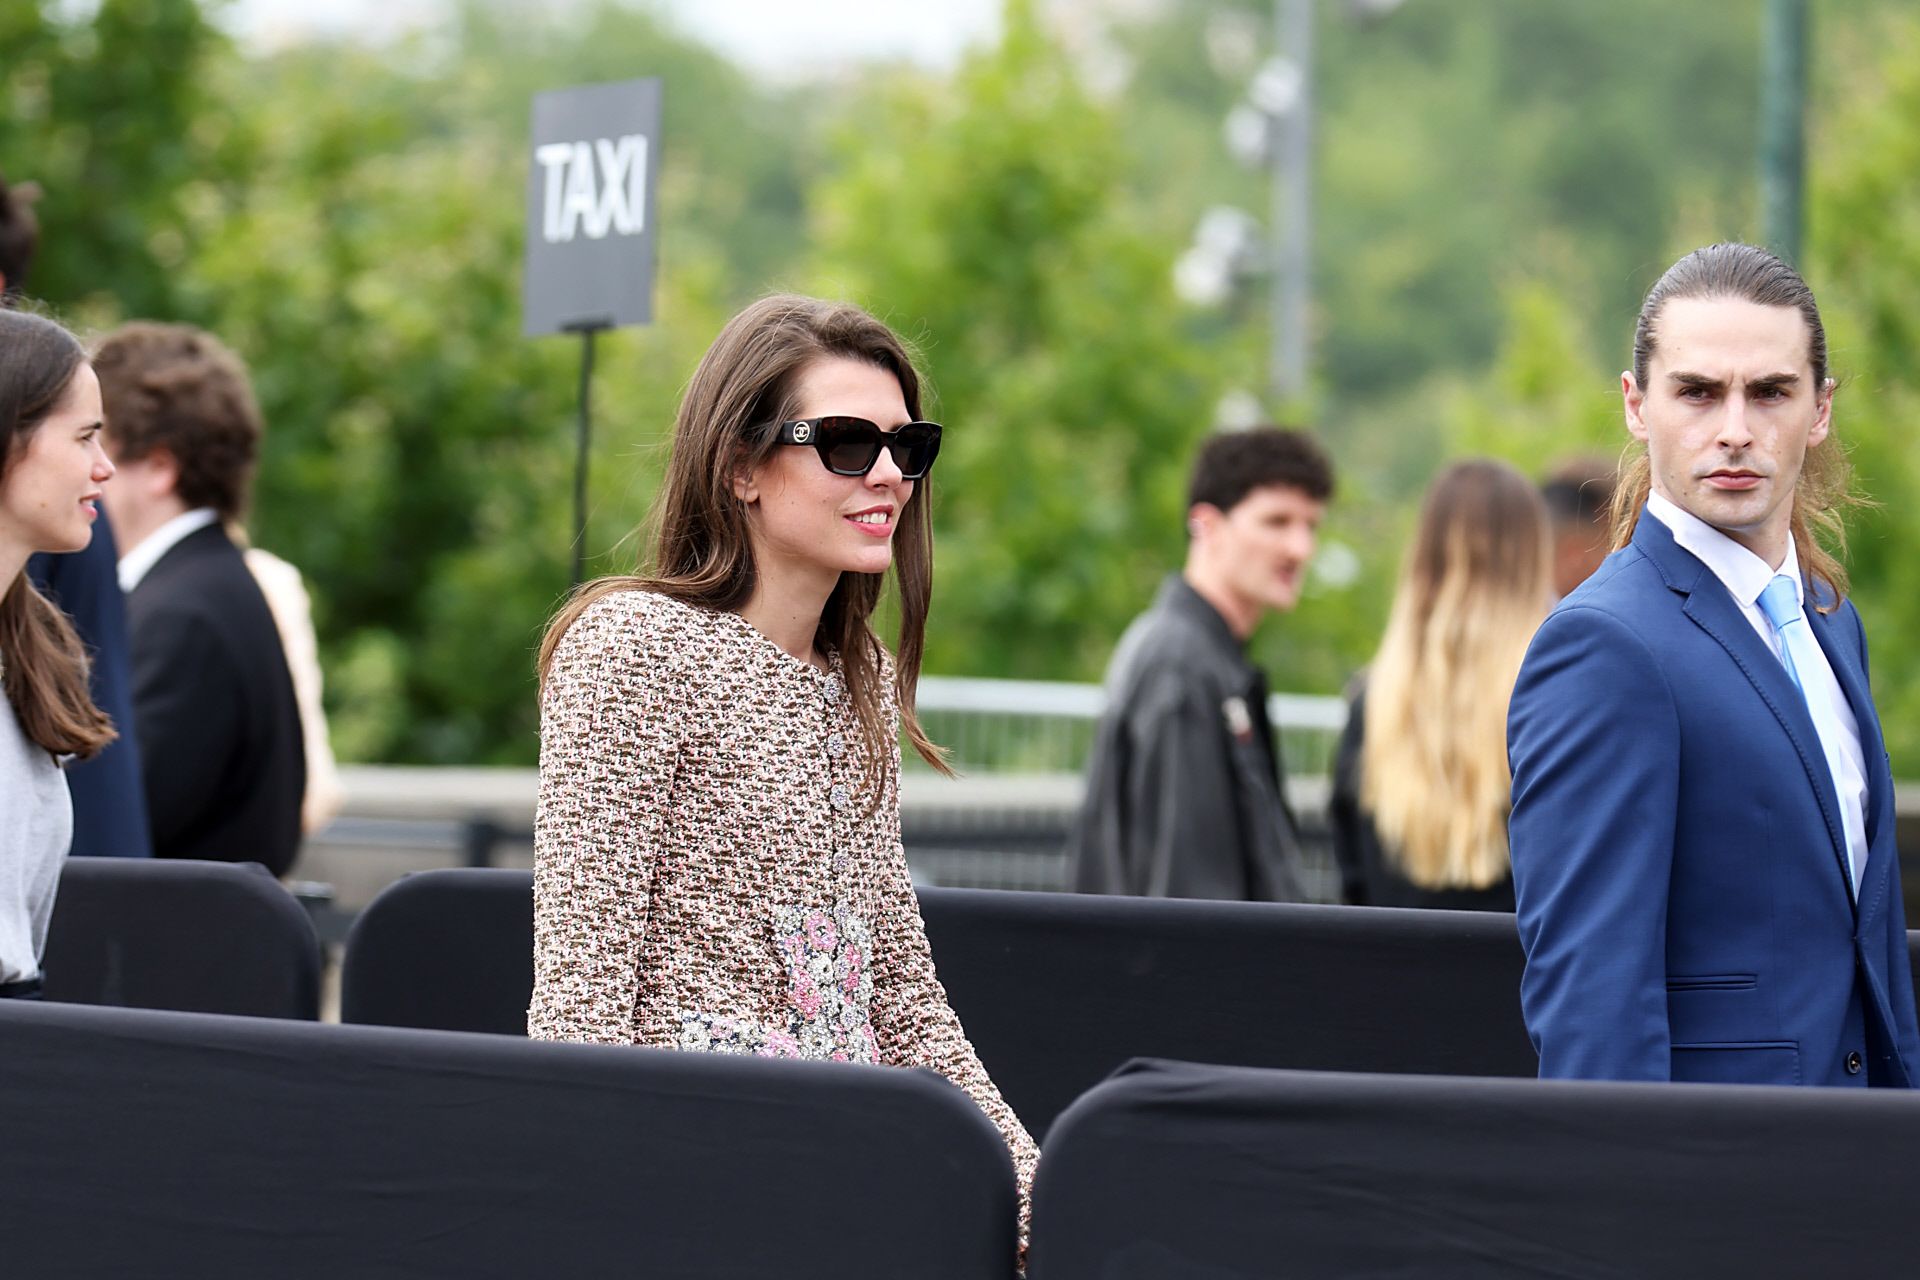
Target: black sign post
<point>590,231</point>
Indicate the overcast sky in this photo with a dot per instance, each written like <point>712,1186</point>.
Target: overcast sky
<point>774,36</point>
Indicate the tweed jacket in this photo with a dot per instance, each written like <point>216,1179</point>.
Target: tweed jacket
<point>713,870</point>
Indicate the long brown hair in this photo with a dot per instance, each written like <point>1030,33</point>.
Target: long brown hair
<point>749,380</point>
<point>1824,492</point>
<point>1472,593</point>
<point>45,663</point>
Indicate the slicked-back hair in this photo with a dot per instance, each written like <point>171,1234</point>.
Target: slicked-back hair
<point>179,388</point>
<point>1232,464</point>
<point>45,665</point>
<point>745,386</point>
<point>1824,491</point>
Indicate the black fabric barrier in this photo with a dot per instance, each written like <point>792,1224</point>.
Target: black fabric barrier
<point>203,937</point>
<point>157,1144</point>
<point>450,949</point>
<point>1216,1173</point>
<point>1057,990</point>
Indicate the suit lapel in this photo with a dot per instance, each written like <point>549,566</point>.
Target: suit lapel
<point>1873,751</point>
<point>1711,607</point>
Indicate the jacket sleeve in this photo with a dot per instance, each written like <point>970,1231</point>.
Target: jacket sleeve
<point>1184,839</point>
<point>1593,736</point>
<point>1905,1031</point>
<point>913,1022</point>
<point>609,738</point>
<point>1343,806</point>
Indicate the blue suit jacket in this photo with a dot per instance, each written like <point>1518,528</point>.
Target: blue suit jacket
<point>1679,867</point>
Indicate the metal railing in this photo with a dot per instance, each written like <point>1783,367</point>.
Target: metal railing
<point>1039,726</point>
<point>1021,747</point>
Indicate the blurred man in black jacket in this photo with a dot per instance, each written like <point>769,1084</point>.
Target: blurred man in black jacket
<point>1185,793</point>
<point>213,704</point>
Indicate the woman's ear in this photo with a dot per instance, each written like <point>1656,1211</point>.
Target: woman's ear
<point>746,479</point>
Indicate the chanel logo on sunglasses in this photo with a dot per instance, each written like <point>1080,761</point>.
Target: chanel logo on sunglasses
<point>802,432</point>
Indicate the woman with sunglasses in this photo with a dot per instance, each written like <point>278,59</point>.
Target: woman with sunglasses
<point>51,472</point>
<point>717,848</point>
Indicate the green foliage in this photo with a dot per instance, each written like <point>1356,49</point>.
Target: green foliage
<point>1540,401</point>
<point>112,119</point>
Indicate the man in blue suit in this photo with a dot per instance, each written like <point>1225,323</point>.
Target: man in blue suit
<point>1702,830</point>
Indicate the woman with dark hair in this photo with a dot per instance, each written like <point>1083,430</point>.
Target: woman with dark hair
<point>1420,787</point>
<point>51,472</point>
<point>717,847</point>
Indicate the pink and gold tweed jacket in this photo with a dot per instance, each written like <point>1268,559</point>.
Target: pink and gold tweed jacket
<point>710,873</point>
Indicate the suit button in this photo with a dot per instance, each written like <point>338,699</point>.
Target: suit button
<point>1853,1064</point>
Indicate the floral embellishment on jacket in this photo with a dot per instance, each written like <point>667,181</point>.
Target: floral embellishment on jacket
<point>829,955</point>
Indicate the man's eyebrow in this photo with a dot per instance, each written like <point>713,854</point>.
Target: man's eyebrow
<point>1686,379</point>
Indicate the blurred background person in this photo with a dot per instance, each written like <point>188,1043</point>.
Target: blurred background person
<point>109,808</point>
<point>1579,497</point>
<point>219,725</point>
<point>292,609</point>
<point>52,469</point>
<point>1186,790</point>
<point>1421,788</point>
<point>19,234</point>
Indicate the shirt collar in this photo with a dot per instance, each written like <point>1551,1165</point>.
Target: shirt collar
<point>1744,574</point>
<point>143,555</point>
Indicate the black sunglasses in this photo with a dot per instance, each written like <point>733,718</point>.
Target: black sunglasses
<point>850,446</point>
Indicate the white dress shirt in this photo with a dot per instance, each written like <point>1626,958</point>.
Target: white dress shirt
<point>142,556</point>
<point>1745,575</point>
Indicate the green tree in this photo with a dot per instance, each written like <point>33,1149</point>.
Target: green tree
<point>111,117</point>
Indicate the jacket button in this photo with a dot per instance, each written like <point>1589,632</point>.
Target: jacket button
<point>1853,1064</point>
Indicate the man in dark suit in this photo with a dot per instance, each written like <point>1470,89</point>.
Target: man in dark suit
<point>214,706</point>
<point>1703,826</point>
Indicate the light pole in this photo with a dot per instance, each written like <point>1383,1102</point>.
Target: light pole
<point>1783,148</point>
<point>1290,227</point>
<point>1273,129</point>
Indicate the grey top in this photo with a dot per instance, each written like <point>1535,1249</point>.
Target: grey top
<point>1184,796</point>
<point>36,826</point>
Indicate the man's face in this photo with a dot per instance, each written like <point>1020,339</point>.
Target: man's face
<point>1728,414</point>
<point>1260,548</point>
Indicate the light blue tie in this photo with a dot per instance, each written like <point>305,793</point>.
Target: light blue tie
<point>1781,603</point>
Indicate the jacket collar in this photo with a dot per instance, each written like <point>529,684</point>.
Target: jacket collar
<point>1178,597</point>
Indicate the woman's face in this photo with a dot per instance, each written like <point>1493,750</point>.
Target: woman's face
<point>805,519</point>
<point>50,496</point>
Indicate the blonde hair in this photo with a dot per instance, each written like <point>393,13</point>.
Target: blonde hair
<point>1474,589</point>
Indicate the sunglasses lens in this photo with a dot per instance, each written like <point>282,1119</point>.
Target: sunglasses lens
<point>914,447</point>
<point>849,445</point>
